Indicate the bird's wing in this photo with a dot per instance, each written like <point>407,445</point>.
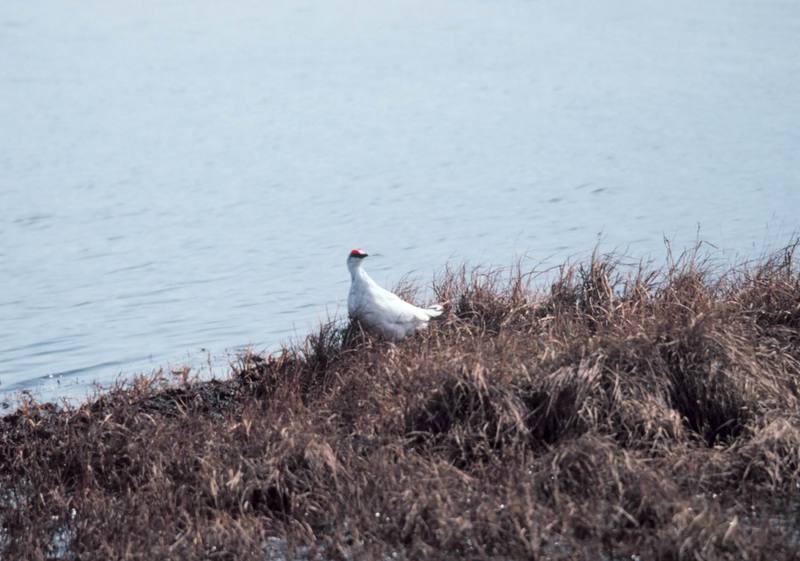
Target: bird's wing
<point>404,312</point>
<point>387,295</point>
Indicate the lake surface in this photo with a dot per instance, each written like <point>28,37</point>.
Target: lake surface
<point>182,179</point>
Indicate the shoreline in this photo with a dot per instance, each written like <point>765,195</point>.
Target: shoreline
<point>615,412</point>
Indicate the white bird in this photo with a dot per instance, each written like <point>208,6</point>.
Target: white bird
<point>382,311</point>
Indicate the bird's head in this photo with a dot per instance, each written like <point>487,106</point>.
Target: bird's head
<point>357,255</point>
<point>355,258</point>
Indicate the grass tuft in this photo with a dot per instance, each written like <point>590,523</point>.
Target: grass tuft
<point>616,410</point>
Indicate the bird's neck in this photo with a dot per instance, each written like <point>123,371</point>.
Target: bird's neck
<point>357,273</point>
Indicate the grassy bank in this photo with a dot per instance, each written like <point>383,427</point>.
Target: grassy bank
<point>614,411</point>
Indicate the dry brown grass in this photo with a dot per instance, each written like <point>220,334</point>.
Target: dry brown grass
<point>619,412</point>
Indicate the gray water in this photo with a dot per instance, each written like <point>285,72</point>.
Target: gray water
<point>179,180</point>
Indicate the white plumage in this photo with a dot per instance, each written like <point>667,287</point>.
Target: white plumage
<point>379,310</point>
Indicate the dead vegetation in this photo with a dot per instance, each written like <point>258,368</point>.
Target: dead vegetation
<point>620,412</point>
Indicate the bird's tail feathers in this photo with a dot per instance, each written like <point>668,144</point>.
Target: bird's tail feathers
<point>435,310</point>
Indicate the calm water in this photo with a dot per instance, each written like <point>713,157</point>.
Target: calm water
<point>183,179</point>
